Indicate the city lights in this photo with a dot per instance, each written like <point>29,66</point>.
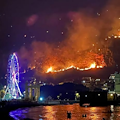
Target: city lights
<point>111,94</point>
<point>41,99</point>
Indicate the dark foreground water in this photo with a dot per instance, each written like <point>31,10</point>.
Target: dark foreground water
<point>59,112</point>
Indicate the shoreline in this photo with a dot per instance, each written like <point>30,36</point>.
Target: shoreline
<point>7,106</point>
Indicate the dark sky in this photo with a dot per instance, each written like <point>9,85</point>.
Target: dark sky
<point>23,21</point>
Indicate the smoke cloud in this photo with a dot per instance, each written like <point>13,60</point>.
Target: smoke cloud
<point>87,41</point>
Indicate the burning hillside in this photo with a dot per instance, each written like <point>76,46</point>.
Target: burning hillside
<point>85,46</point>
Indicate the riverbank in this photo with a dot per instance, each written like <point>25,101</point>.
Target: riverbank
<point>7,106</point>
<point>59,112</point>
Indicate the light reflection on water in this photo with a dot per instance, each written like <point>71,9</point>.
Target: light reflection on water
<point>59,112</point>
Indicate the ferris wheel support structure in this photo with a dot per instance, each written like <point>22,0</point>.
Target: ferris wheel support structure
<point>12,90</point>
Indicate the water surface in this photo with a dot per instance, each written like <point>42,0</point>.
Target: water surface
<point>59,112</point>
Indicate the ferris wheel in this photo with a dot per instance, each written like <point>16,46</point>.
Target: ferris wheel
<point>13,78</point>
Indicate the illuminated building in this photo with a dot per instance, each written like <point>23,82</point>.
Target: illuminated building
<point>86,81</point>
<point>92,83</point>
<point>113,94</point>
<point>32,90</point>
<point>112,77</point>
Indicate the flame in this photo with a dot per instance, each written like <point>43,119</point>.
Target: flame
<point>114,36</point>
<point>49,70</point>
<point>93,65</point>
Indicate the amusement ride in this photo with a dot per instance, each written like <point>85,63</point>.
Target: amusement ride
<point>12,90</point>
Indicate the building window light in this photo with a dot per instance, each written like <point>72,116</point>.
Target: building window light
<point>111,94</point>
<point>98,94</point>
<point>83,81</point>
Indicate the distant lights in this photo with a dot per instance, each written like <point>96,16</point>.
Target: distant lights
<point>83,81</point>
<point>25,36</point>
<point>113,36</point>
<point>59,18</point>
<point>8,35</point>
<point>98,94</point>
<point>111,95</point>
<point>41,99</point>
<point>85,95</point>
<point>98,14</point>
<point>44,83</point>
<point>5,87</point>
<point>117,36</point>
<point>34,67</point>
<point>105,38</point>
<point>118,94</point>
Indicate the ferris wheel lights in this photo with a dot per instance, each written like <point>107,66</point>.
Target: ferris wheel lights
<point>14,54</point>
<point>13,78</point>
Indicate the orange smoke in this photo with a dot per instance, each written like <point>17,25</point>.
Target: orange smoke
<point>86,45</point>
<point>46,58</point>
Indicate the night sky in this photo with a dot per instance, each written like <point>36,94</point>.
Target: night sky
<point>24,21</point>
<point>35,18</point>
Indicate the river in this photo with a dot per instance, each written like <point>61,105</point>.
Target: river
<point>59,112</point>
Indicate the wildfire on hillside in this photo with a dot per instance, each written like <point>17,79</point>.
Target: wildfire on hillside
<point>93,65</point>
<point>89,62</point>
<point>57,60</point>
<point>87,43</point>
